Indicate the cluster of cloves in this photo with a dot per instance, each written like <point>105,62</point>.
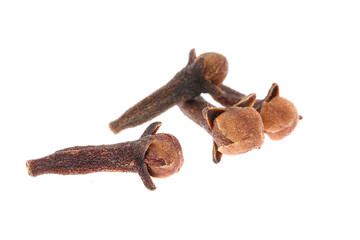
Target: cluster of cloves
<point>236,129</point>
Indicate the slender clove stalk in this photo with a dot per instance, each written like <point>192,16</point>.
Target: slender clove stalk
<point>202,74</point>
<point>235,130</point>
<point>156,155</point>
<point>279,115</point>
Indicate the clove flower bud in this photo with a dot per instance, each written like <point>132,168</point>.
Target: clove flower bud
<point>202,74</point>
<point>235,130</point>
<point>156,155</point>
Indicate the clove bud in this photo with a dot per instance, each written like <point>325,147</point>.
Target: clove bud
<point>235,130</point>
<point>156,155</point>
<point>202,74</point>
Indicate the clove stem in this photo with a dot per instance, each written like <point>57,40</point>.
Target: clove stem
<point>230,97</point>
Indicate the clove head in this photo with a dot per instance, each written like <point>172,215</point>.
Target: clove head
<point>216,67</point>
<point>238,130</point>
<point>279,116</point>
<point>164,156</point>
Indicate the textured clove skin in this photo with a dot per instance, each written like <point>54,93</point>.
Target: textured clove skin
<point>202,74</point>
<point>164,156</point>
<point>243,129</point>
<point>235,130</point>
<point>279,115</point>
<point>156,155</point>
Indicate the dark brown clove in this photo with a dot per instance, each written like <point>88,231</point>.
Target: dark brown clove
<point>202,74</point>
<point>156,155</point>
<point>235,130</point>
<point>279,115</point>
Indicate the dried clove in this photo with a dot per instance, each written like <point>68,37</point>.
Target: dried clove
<point>235,130</point>
<point>156,155</point>
<point>202,74</point>
<point>279,115</point>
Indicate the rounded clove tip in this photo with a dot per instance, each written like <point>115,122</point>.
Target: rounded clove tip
<point>238,130</point>
<point>280,117</point>
<point>216,67</point>
<point>114,127</point>
<point>164,156</point>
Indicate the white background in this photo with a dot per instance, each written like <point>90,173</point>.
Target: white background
<point>68,68</point>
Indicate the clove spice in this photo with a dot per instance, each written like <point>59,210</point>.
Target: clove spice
<point>278,114</point>
<point>156,155</point>
<point>202,74</point>
<point>235,130</point>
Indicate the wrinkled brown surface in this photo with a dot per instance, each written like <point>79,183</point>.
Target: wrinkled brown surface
<point>280,117</point>
<point>156,154</point>
<point>238,130</point>
<point>86,159</point>
<point>216,67</point>
<point>200,75</point>
<point>164,156</point>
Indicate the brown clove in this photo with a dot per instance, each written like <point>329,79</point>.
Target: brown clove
<point>235,130</point>
<point>156,155</point>
<point>202,74</point>
<point>279,115</point>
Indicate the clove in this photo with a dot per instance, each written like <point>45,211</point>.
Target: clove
<point>235,130</point>
<point>202,74</point>
<point>156,155</point>
<point>278,114</point>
